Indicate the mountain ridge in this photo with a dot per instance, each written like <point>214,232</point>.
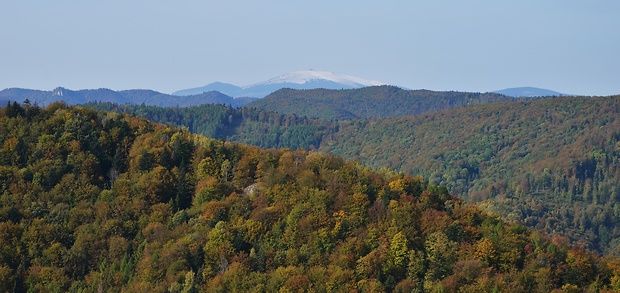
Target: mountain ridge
<point>368,102</point>
<point>304,79</point>
<point>134,96</point>
<point>529,91</point>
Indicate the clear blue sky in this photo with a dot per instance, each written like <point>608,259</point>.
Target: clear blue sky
<point>476,45</point>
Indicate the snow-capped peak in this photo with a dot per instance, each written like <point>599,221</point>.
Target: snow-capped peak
<point>305,76</point>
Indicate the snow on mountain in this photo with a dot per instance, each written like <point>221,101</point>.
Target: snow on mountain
<point>306,79</point>
<point>306,76</point>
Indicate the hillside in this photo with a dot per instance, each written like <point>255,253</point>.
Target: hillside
<point>147,97</point>
<point>97,201</point>
<point>368,102</point>
<point>551,163</point>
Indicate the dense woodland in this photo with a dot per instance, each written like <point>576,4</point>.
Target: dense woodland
<point>98,201</point>
<point>369,102</point>
<point>245,125</point>
<point>551,163</point>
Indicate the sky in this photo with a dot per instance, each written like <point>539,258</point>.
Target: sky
<point>568,46</point>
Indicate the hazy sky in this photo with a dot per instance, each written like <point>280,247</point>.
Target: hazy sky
<point>564,45</point>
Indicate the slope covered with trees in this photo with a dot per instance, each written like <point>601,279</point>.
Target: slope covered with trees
<point>97,201</point>
<point>551,163</point>
<point>368,102</point>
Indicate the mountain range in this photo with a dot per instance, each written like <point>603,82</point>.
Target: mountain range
<point>311,79</point>
<point>307,79</point>
<point>236,96</point>
<point>147,97</point>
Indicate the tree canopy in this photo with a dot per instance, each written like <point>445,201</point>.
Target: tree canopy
<point>551,164</point>
<point>99,201</point>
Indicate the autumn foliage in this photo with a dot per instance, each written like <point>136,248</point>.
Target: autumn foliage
<point>96,202</point>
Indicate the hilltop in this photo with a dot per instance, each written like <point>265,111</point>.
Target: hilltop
<point>368,102</point>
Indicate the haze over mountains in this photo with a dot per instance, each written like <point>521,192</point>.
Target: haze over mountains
<point>224,93</point>
<point>147,97</point>
<point>529,92</point>
<point>311,79</point>
<point>307,79</point>
<point>319,84</point>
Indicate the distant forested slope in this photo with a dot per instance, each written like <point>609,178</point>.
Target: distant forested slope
<point>368,102</point>
<point>552,163</point>
<point>101,202</point>
<point>246,125</point>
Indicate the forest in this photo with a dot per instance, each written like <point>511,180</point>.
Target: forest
<point>551,163</point>
<point>94,201</point>
<point>368,102</point>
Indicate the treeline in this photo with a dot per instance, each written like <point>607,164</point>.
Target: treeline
<point>245,125</point>
<point>98,201</point>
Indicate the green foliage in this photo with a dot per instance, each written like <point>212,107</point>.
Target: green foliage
<point>251,126</point>
<point>368,102</point>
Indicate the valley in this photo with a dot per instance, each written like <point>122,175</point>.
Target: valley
<point>551,163</point>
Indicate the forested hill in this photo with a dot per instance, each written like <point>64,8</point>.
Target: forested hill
<point>98,202</point>
<point>146,97</point>
<point>368,102</point>
<point>551,163</point>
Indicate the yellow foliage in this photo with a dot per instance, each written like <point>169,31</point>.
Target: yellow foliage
<point>485,250</point>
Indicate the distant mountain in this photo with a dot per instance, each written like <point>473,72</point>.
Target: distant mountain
<point>225,88</point>
<point>528,92</point>
<point>147,97</point>
<point>369,102</point>
<point>307,79</point>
